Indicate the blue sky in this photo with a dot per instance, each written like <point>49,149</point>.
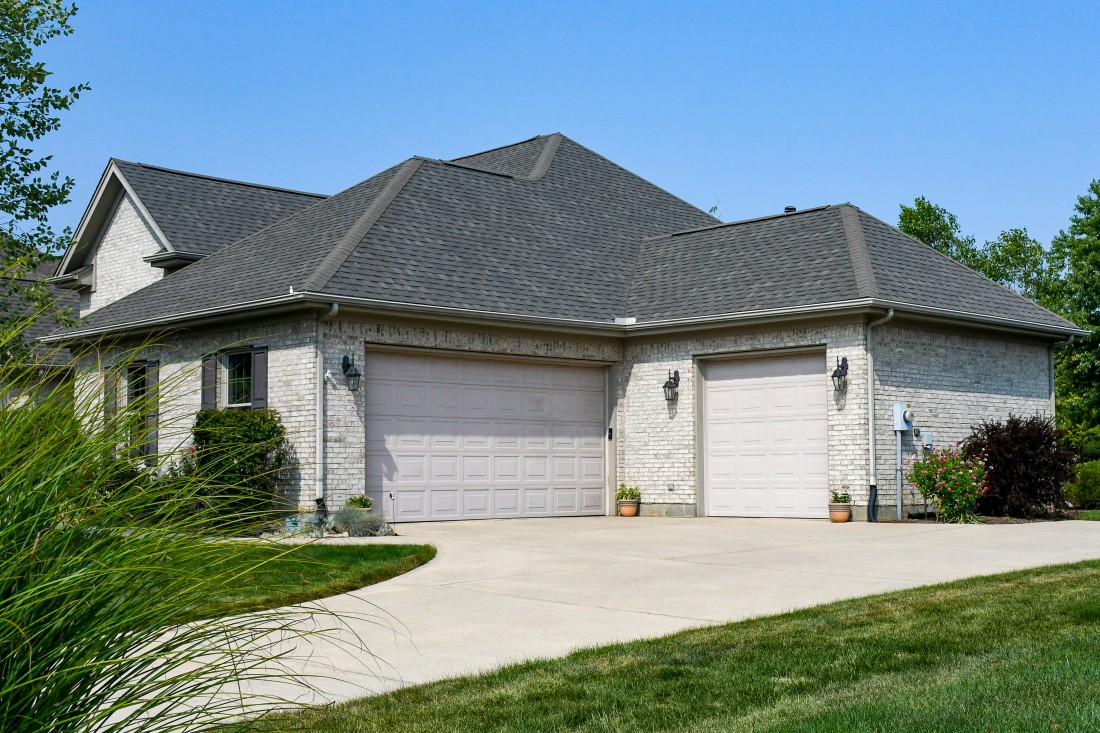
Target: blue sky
<point>991,110</point>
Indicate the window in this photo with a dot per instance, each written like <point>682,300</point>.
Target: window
<point>235,379</point>
<point>238,379</point>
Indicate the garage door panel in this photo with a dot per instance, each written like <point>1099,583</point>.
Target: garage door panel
<point>470,438</point>
<point>536,502</point>
<point>766,436</point>
<point>477,503</point>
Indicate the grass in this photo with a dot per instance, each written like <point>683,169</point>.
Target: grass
<point>1014,652</point>
<point>279,578</point>
<point>1093,514</point>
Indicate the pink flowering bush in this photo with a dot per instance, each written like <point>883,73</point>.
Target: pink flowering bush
<point>952,481</point>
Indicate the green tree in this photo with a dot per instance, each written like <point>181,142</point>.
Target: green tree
<point>29,108</point>
<point>1019,262</point>
<point>938,228</point>
<point>1075,259</point>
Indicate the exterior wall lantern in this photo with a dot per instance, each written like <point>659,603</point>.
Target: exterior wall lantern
<point>351,373</point>
<point>671,385</point>
<point>840,375</point>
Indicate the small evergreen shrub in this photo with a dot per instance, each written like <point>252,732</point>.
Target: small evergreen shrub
<point>240,453</point>
<point>952,481</point>
<point>358,523</point>
<point>1027,462</point>
<point>1084,490</point>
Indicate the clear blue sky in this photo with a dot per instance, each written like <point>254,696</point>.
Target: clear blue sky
<point>990,111</point>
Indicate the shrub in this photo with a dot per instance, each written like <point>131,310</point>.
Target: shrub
<point>359,501</point>
<point>1085,439</point>
<point>1084,490</point>
<point>1027,461</point>
<point>357,522</point>
<point>951,480</point>
<point>240,453</point>
<point>627,493</point>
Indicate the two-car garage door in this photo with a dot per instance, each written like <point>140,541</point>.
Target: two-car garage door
<point>463,438</point>
<point>766,436</point>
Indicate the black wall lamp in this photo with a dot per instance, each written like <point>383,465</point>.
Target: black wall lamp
<point>351,373</point>
<point>840,375</point>
<point>671,385</point>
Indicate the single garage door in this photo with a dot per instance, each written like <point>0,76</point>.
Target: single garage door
<point>766,437</point>
<point>464,438</point>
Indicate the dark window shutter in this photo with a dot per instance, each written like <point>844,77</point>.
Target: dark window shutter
<point>110,393</point>
<point>210,382</point>
<point>152,379</point>
<point>259,378</point>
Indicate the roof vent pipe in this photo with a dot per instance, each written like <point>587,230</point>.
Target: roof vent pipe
<point>789,209</point>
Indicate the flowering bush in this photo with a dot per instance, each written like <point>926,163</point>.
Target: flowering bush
<point>952,481</point>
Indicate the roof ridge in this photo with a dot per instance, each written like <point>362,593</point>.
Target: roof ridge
<point>219,179</point>
<point>498,147</point>
<point>866,285</point>
<point>339,254</point>
<point>546,157</point>
<point>782,215</point>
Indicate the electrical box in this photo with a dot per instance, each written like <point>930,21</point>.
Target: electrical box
<point>903,416</point>
<point>926,439</point>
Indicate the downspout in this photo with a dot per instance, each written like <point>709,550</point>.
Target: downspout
<point>319,345</point>
<point>872,508</point>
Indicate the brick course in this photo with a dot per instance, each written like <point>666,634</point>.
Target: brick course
<point>119,269</point>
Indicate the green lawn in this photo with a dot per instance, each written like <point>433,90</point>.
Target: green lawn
<point>308,572</point>
<point>1093,514</point>
<point>1016,652</point>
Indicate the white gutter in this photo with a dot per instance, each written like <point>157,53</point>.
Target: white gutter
<point>319,348</point>
<point>869,345</point>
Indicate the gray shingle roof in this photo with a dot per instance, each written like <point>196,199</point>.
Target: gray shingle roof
<point>547,228</point>
<point>202,214</point>
<point>830,254</point>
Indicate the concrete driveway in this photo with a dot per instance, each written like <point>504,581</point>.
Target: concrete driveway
<point>510,590</point>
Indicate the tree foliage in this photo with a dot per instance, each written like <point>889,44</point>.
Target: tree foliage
<point>29,110</point>
<point>1064,278</point>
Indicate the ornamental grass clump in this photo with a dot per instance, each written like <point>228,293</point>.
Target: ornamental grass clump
<point>953,482</point>
<point>107,577</point>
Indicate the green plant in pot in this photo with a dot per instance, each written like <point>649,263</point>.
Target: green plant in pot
<point>840,505</point>
<point>627,499</point>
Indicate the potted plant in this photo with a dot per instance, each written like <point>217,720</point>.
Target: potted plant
<point>627,498</point>
<point>360,502</point>
<point>840,505</point>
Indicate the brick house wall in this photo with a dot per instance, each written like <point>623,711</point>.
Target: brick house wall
<point>291,378</point>
<point>119,268</point>
<point>954,380</point>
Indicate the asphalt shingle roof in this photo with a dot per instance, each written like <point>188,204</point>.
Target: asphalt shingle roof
<point>547,228</point>
<point>201,214</point>
<point>46,324</point>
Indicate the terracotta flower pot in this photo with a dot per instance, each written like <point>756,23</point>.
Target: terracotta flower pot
<point>840,512</point>
<point>627,507</point>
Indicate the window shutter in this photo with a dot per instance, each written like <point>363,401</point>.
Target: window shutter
<point>110,393</point>
<point>210,382</point>
<point>152,379</point>
<point>259,378</point>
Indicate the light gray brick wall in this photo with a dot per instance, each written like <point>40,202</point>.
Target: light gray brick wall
<point>954,381</point>
<point>119,269</point>
<point>291,380</point>
<point>345,432</point>
<point>657,444</point>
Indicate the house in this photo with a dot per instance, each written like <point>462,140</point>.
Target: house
<point>534,325</point>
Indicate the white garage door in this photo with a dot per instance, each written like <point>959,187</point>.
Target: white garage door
<point>766,437</point>
<point>460,438</point>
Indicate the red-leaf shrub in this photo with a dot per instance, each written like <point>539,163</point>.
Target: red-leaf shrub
<point>1027,462</point>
